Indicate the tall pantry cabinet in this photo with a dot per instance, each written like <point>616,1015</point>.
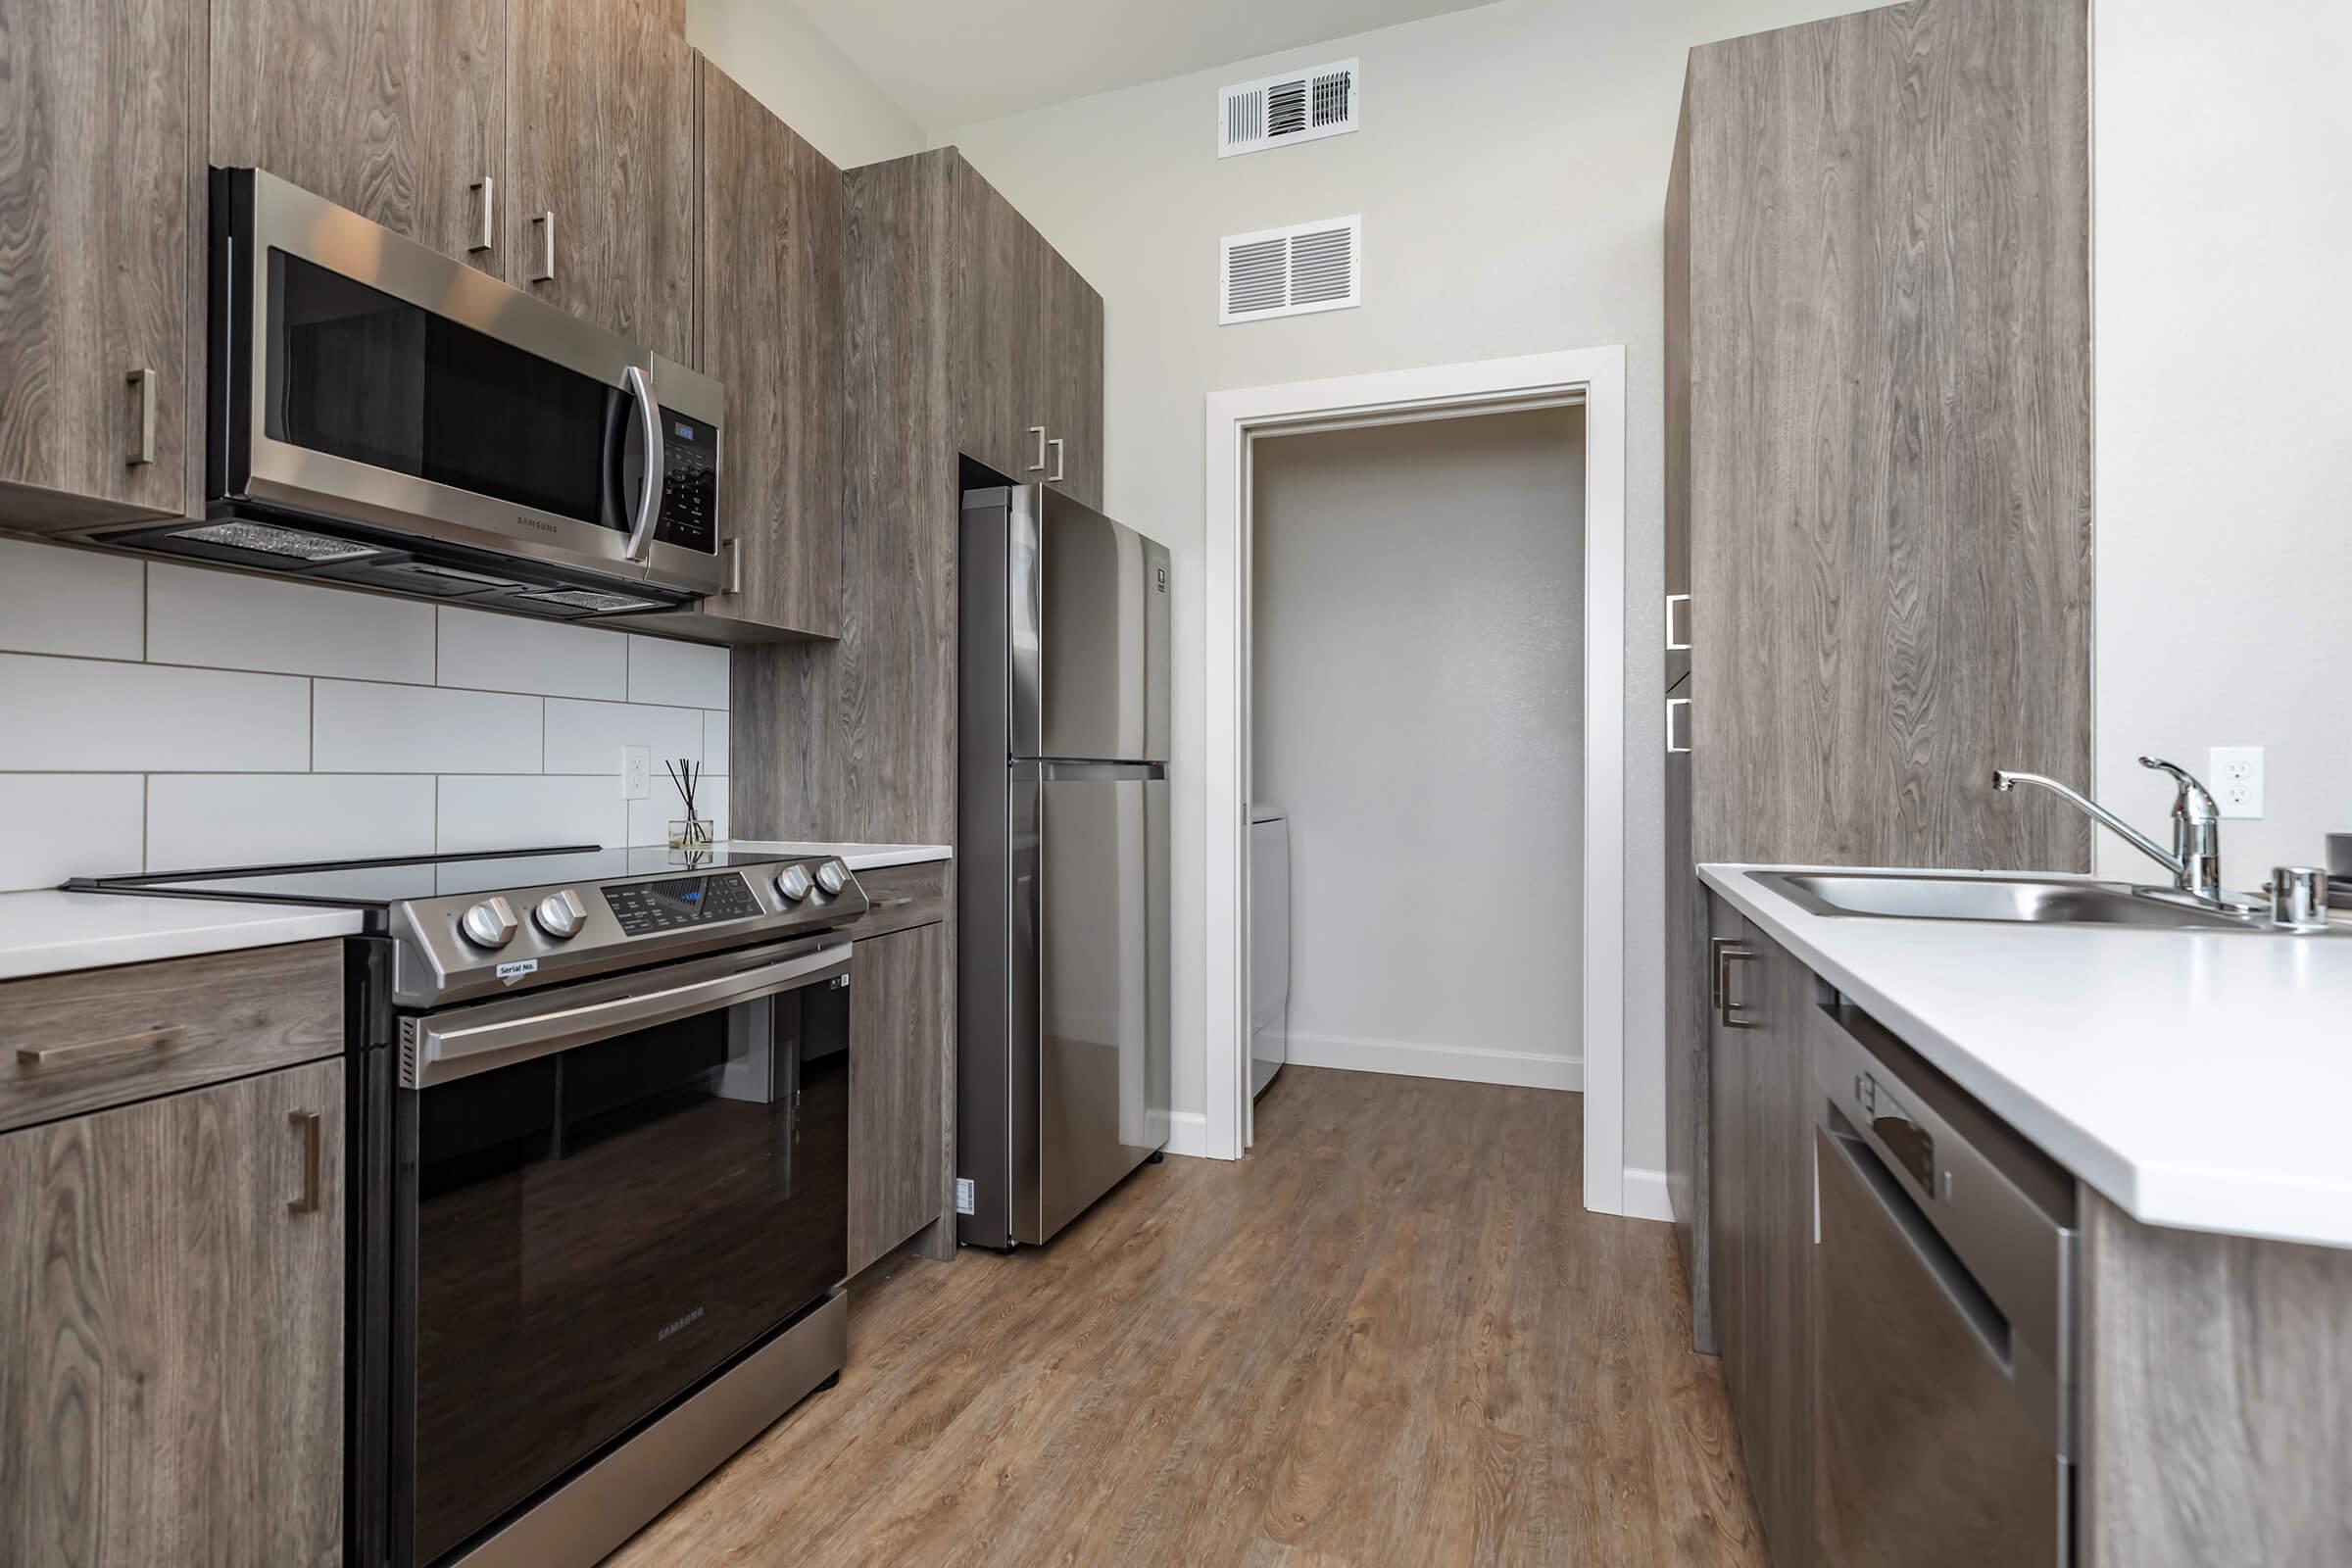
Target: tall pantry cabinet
<point>1878,501</point>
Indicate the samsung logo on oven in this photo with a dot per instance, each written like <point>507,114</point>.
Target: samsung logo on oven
<point>677,1323</point>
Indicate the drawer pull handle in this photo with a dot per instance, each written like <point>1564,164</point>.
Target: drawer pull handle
<point>890,903</point>
<point>161,1038</point>
<point>306,1123</point>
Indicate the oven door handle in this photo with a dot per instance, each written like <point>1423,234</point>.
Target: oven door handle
<point>460,1044</point>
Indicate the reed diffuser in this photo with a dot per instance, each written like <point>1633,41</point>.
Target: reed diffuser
<point>692,830</point>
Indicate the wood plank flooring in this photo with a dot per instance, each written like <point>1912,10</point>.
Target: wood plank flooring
<point>1392,1336</point>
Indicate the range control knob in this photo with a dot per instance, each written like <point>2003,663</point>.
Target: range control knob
<point>792,884</point>
<point>832,877</point>
<point>561,915</point>
<point>489,923</point>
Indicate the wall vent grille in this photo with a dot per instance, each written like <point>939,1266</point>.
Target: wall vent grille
<point>1296,106</point>
<point>1291,272</point>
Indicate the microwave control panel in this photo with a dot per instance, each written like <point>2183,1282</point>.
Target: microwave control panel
<point>642,908</point>
<point>689,483</point>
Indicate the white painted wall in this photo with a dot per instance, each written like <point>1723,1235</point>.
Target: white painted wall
<point>770,48</point>
<point>1417,710</point>
<point>1512,173</point>
<point>158,717</point>
<point>2224,226</point>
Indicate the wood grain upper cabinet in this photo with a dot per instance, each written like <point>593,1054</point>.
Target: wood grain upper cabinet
<point>600,149</point>
<point>172,1327</point>
<point>1000,363</point>
<point>97,172</point>
<point>771,312</point>
<point>394,109</point>
<point>898,1057</point>
<point>1070,325</point>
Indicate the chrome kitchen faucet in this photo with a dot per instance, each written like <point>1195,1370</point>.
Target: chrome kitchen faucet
<point>2195,857</point>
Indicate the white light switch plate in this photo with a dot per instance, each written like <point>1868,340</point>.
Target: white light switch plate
<point>2234,775</point>
<point>636,772</point>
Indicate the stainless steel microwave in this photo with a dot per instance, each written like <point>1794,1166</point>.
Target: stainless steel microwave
<point>382,414</point>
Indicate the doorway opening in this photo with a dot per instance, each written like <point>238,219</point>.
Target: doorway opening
<point>1532,686</point>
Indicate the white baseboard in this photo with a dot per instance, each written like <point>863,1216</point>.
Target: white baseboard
<point>1645,1195</point>
<point>1471,1064</point>
<point>1188,1134</point>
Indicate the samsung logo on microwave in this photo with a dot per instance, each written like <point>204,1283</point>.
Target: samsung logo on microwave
<point>540,523</point>
<point>676,1323</point>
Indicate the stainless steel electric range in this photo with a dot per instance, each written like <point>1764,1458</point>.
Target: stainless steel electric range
<point>599,1196</point>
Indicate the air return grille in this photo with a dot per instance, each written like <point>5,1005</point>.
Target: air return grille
<point>1296,106</point>
<point>1292,271</point>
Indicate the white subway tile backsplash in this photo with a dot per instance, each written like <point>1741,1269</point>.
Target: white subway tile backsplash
<point>507,653</point>
<point>56,825</point>
<point>587,736</point>
<point>58,601</point>
<point>530,812</point>
<point>366,727</point>
<point>86,715</point>
<point>232,621</point>
<point>159,715</point>
<point>687,674</point>
<point>714,742</point>
<point>199,820</point>
<point>650,819</point>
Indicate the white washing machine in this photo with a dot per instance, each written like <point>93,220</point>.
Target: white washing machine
<point>1269,946</point>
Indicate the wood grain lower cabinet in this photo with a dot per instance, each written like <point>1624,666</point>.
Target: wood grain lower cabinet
<point>899,1129</point>
<point>1761,1246</point>
<point>98,166</point>
<point>171,1329</point>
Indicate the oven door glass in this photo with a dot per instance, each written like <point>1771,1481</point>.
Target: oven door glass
<point>360,374</point>
<point>597,1230</point>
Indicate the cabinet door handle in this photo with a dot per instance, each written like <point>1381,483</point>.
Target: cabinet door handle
<point>889,903</point>
<point>159,1038</point>
<point>1677,643</point>
<point>1057,445</point>
<point>545,271</point>
<point>1728,1010</point>
<point>1677,706</point>
<point>1715,946</point>
<point>485,234</point>
<point>1039,431</point>
<point>306,1125</point>
<point>142,448</point>
<point>734,566</point>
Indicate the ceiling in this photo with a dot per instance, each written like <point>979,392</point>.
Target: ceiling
<point>948,63</point>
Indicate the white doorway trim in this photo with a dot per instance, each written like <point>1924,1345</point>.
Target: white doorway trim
<point>1594,377</point>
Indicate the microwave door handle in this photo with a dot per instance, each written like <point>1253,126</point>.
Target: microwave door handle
<point>648,487</point>
<point>455,1048</point>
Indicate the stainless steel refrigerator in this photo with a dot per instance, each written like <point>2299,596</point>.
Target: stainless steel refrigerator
<point>1061,851</point>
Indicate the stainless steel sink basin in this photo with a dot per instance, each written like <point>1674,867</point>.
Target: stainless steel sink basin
<point>2025,900</point>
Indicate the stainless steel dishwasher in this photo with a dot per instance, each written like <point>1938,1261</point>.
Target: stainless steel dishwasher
<point>1944,1316</point>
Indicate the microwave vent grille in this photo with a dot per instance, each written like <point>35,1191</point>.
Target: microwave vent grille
<point>268,539</point>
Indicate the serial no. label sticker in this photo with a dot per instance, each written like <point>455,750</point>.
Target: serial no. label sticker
<point>512,972</point>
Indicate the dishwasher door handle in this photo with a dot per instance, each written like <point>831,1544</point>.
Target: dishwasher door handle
<point>1985,1320</point>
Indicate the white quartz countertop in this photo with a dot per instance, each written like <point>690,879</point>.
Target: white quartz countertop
<point>858,857</point>
<point>51,933</point>
<point>2198,1078</point>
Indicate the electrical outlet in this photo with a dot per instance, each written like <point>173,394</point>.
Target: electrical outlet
<point>636,772</point>
<point>2234,774</point>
